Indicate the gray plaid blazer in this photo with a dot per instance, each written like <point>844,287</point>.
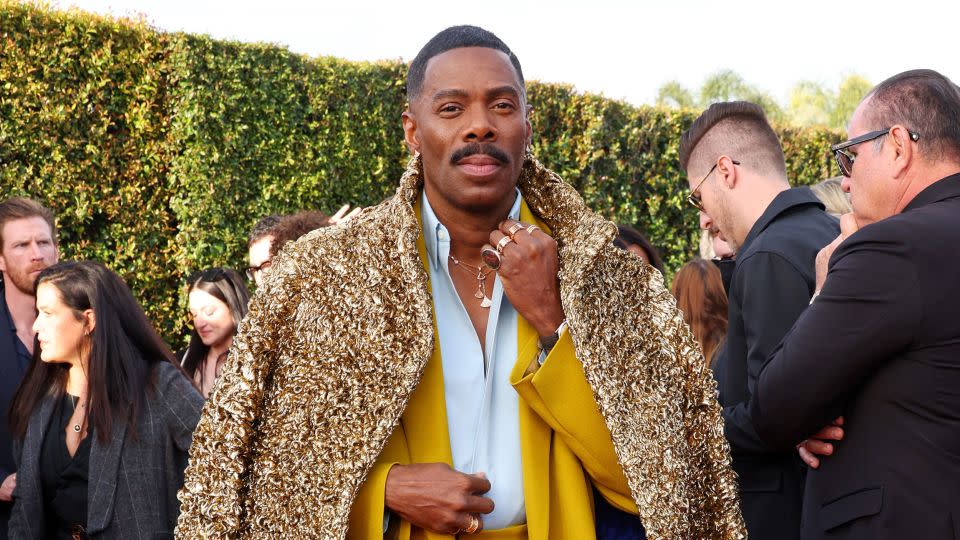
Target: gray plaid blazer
<point>133,484</point>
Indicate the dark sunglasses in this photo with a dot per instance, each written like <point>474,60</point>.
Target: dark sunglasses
<point>694,196</point>
<point>845,158</point>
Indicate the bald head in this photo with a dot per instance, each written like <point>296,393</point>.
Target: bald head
<point>923,101</point>
<point>737,129</point>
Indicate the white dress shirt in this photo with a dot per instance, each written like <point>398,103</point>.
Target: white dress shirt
<point>482,406</point>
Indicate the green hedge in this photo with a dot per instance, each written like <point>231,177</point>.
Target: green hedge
<point>158,151</point>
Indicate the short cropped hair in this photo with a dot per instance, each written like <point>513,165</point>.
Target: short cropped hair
<point>456,37</point>
<point>738,129</point>
<point>923,101</point>
<point>22,208</point>
<point>263,227</point>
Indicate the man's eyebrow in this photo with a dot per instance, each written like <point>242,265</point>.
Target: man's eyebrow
<point>502,90</point>
<point>463,94</point>
<point>450,93</point>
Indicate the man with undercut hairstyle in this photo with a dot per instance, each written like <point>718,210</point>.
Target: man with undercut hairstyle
<point>28,244</point>
<point>738,181</point>
<point>880,344</point>
<point>473,356</point>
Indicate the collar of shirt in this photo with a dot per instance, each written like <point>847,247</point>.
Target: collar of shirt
<point>435,234</point>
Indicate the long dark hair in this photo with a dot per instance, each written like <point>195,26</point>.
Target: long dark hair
<point>698,288</point>
<point>227,286</point>
<point>124,349</point>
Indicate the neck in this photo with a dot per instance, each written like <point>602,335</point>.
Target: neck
<point>22,306</point>
<point>469,229</point>
<point>764,194</point>
<point>218,349</point>
<point>77,380</point>
<point>924,179</point>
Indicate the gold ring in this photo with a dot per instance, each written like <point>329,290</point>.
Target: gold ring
<point>514,228</point>
<point>474,525</point>
<point>502,243</point>
<point>532,228</point>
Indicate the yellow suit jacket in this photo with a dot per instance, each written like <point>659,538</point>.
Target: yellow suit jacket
<point>564,442</point>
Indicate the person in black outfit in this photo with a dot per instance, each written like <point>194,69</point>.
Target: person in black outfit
<point>738,181</point>
<point>880,343</point>
<point>104,417</point>
<point>28,243</point>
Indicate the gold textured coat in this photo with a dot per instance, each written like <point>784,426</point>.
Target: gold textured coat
<point>332,348</point>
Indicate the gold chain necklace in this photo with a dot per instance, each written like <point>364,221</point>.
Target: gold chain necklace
<point>481,276</point>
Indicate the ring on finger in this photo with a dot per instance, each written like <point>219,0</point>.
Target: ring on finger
<point>502,243</point>
<point>514,228</point>
<point>531,228</point>
<point>491,258</point>
<point>474,525</point>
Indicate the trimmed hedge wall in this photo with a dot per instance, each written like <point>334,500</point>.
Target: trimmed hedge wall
<point>158,151</point>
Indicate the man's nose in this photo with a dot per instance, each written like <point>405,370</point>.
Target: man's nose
<point>480,127</point>
<point>845,184</point>
<point>705,222</point>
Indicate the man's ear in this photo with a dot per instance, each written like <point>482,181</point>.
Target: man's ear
<point>726,172</point>
<point>904,148</point>
<point>410,135</point>
<point>529,111</point>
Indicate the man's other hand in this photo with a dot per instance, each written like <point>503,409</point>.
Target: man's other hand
<point>848,226</point>
<point>817,445</point>
<point>528,272</point>
<point>435,497</point>
<point>7,487</point>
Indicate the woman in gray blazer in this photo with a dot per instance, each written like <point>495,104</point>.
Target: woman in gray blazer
<point>103,421</point>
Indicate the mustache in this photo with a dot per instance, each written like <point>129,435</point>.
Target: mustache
<point>477,148</point>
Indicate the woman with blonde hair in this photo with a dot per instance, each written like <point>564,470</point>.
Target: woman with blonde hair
<point>698,288</point>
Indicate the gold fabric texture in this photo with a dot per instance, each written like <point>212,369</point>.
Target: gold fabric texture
<point>335,344</point>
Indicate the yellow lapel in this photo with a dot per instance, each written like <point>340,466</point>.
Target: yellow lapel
<point>425,420</point>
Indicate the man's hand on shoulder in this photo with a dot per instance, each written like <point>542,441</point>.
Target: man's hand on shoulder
<point>529,264</point>
<point>435,497</point>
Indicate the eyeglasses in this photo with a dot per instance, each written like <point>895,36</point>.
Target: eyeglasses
<point>694,196</point>
<point>252,271</point>
<point>845,158</point>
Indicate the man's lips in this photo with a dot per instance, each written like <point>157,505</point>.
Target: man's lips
<point>479,165</point>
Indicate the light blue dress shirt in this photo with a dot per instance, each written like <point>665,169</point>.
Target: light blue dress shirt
<point>482,407</point>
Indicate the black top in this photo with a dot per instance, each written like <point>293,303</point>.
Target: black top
<point>772,282</point>
<point>881,346</point>
<point>64,478</point>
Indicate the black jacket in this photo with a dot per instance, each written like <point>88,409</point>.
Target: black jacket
<point>880,345</point>
<point>11,373</point>
<point>772,283</point>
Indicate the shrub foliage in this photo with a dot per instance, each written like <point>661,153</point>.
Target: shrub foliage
<point>158,151</point>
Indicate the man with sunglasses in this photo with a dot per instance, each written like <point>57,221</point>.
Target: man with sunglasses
<point>880,343</point>
<point>738,181</point>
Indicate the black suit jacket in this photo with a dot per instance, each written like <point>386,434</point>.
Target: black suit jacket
<point>772,283</point>
<point>10,376</point>
<point>880,345</point>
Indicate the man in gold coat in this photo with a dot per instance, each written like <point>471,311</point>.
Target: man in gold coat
<point>471,357</point>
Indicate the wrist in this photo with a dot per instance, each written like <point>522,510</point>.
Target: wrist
<point>549,341</point>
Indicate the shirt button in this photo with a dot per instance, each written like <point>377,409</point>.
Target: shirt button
<point>442,235</point>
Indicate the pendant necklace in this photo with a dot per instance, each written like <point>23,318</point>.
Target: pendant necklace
<point>481,276</point>
<point>73,402</point>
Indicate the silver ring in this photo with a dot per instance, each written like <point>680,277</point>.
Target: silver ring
<point>503,243</point>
